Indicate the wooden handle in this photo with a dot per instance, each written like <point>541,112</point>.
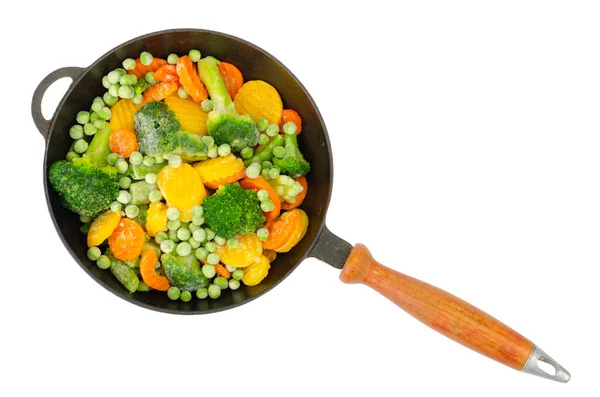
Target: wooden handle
<point>443,312</point>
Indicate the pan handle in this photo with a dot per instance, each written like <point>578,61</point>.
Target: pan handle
<point>40,121</point>
<point>449,315</point>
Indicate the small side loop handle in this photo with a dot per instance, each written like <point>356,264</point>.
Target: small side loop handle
<point>40,121</point>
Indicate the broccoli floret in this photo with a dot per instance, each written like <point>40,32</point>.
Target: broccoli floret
<point>158,133</point>
<point>292,163</point>
<point>155,126</point>
<point>87,184</point>
<point>267,153</point>
<point>232,210</point>
<point>183,272</point>
<point>224,124</point>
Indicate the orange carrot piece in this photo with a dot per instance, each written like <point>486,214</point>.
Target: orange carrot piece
<point>167,73</point>
<point>291,115</point>
<point>190,80</point>
<point>123,142</point>
<point>148,272</point>
<point>288,206</point>
<point>256,184</point>
<point>127,241</point>
<point>224,181</point>
<point>232,77</point>
<point>222,271</point>
<point>281,230</point>
<point>140,70</point>
<point>159,91</point>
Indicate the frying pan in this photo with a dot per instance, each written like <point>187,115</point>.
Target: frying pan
<point>438,309</point>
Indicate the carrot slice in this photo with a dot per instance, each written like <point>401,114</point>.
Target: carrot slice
<point>300,198</point>
<point>140,69</point>
<point>232,77</point>
<point>123,142</point>
<point>148,272</point>
<point>159,91</point>
<point>222,271</point>
<point>167,73</point>
<point>291,115</point>
<point>190,80</point>
<point>226,180</point>
<point>281,230</point>
<point>127,240</point>
<point>256,184</point>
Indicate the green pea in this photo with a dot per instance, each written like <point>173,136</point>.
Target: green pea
<point>174,224</point>
<point>132,211</point>
<point>183,234</point>
<point>159,159</point>
<point>253,170</point>
<point>124,197</point>
<point>185,296</point>
<point>213,258</point>
<point>220,240</point>
<point>80,146</point>
<point>160,237</point>
<point>208,140</point>
<point>265,173</point>
<point>201,254</point>
<point>209,270</point>
<point>173,213</point>
<point>210,234</point>
<point>173,236</point>
<point>273,173</point>
<point>221,282</point>
<point>129,64</point>
<point>263,139</point>
<point>154,196</point>
<point>72,156</point>
<point>146,58</point>
<point>194,55</point>
<point>214,291</point>
<point>247,152</point>
<point>124,182</point>
<point>262,233</point>
<point>115,206</point>
<point>224,150</point>
<point>114,90</point>
<point>262,194</point>
<point>136,158</point>
<point>202,293</point>
<point>126,92</point>
<point>199,234</point>
<point>93,253</point>
<point>272,130</point>
<point>238,274</point>
<point>184,248</point>
<point>206,105</point>
<point>103,262</point>
<point>148,161</point>
<point>231,268</point>
<point>194,243</point>
<point>173,293</point>
<point>104,113</point>
<point>234,284</point>
<point>150,78</point>
<point>267,205</point>
<point>105,82</point>
<point>182,93</point>
<point>137,99</point>
<point>128,79</point>
<point>83,117</point>
<point>197,210</point>
<point>172,59</point>
<point>262,124</point>
<point>110,100</point>
<point>213,152</point>
<point>96,106</point>
<point>167,246</point>
<point>175,160</point>
<point>121,166</point>
<point>198,220</point>
<point>290,128</point>
<point>233,243</point>
<point>99,124</point>
<point>210,246</point>
<point>76,132</point>
<point>89,129</point>
<point>150,178</point>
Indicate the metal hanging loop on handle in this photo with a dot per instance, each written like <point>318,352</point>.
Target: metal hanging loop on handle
<point>40,121</point>
<point>532,366</point>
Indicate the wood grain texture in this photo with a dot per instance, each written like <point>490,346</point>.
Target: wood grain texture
<point>445,313</point>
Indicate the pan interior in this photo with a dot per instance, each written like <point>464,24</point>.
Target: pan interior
<point>255,64</point>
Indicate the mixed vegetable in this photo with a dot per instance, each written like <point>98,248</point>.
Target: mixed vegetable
<point>187,180</point>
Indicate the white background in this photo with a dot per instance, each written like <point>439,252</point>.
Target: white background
<point>466,146</point>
